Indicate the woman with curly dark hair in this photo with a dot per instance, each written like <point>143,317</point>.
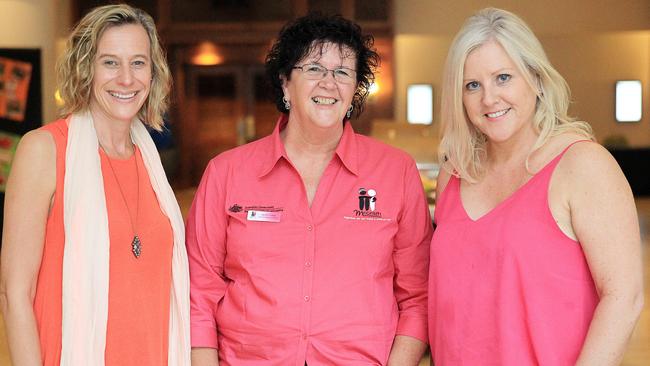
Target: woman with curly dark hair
<point>310,246</point>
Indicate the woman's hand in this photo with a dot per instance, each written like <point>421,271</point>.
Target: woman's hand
<point>205,357</point>
<point>406,351</point>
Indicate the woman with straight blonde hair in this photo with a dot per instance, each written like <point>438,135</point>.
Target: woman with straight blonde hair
<point>536,254</point>
<point>94,269</point>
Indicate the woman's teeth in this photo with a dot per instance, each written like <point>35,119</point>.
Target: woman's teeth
<point>498,114</point>
<point>322,100</point>
<point>122,96</point>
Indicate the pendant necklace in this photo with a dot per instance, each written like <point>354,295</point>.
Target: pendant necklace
<point>136,244</point>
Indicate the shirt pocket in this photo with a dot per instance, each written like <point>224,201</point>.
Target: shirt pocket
<point>259,241</point>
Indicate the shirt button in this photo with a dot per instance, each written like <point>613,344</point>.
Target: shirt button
<point>307,298</point>
<point>309,227</point>
<point>304,336</point>
<point>308,264</point>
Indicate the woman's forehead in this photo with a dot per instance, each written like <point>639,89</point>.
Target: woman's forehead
<point>327,49</point>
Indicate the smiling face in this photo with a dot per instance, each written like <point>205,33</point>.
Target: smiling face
<point>122,73</point>
<point>321,103</point>
<point>497,98</point>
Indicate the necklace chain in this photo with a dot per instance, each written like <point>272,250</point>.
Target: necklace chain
<point>136,244</point>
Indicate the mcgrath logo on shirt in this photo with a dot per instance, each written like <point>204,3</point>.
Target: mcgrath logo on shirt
<point>367,207</point>
<point>367,199</point>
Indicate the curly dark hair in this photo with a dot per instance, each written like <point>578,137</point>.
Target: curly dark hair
<point>300,37</point>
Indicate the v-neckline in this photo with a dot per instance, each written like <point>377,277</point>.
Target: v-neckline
<point>505,200</point>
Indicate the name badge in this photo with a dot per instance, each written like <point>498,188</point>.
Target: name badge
<point>265,216</point>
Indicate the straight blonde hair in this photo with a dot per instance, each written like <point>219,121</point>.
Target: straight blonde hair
<point>75,68</point>
<point>462,149</point>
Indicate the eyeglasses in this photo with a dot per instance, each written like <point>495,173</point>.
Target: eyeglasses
<point>342,75</point>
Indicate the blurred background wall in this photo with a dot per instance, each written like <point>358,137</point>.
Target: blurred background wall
<point>221,104</point>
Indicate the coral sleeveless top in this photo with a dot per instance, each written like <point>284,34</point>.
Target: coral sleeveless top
<point>509,288</point>
<point>139,288</point>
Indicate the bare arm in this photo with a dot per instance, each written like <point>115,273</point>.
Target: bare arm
<point>205,357</point>
<point>406,351</point>
<point>604,219</point>
<point>30,188</point>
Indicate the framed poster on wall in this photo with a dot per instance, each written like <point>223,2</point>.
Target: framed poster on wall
<point>14,85</point>
<point>20,104</point>
<point>20,90</point>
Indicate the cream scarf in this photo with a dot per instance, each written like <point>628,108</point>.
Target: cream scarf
<point>86,252</point>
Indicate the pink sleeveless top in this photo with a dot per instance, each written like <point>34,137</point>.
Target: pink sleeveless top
<point>509,288</point>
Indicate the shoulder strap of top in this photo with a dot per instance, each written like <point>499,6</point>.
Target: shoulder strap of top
<point>553,163</point>
<point>59,131</point>
<point>569,146</point>
<point>547,171</point>
<point>447,197</point>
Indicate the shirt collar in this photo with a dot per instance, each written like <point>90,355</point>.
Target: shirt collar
<point>276,147</point>
<point>346,149</point>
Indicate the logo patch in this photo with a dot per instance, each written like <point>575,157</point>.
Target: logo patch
<point>235,208</point>
<point>367,208</point>
<point>367,199</point>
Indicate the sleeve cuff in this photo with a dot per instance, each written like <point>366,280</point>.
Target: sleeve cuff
<point>204,337</point>
<point>413,326</point>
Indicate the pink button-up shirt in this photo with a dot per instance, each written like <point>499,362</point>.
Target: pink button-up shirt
<point>276,282</point>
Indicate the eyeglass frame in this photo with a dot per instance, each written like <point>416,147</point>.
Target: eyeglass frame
<point>353,78</point>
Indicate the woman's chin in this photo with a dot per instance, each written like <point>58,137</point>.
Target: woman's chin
<point>328,120</point>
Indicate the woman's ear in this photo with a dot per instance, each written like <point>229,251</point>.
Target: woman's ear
<point>283,81</point>
<point>285,86</point>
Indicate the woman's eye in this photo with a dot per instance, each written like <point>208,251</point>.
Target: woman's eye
<point>343,72</point>
<point>110,62</point>
<point>138,63</point>
<point>472,85</point>
<point>314,68</point>
<point>502,78</point>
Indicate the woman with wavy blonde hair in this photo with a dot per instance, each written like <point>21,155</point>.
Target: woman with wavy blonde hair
<point>535,258</point>
<point>94,268</point>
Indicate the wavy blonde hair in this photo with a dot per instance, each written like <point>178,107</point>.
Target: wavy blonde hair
<point>462,149</point>
<point>75,68</point>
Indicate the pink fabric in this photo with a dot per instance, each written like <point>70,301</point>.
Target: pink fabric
<point>330,285</point>
<point>509,288</point>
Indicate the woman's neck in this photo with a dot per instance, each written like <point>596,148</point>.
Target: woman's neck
<point>114,136</point>
<point>311,141</point>
<point>512,152</point>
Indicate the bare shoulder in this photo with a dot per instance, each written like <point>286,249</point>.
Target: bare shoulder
<point>589,157</point>
<point>588,165</point>
<point>35,157</point>
<point>39,142</point>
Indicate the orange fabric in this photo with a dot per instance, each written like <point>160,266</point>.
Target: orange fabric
<point>139,289</point>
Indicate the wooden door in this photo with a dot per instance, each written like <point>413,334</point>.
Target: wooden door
<point>225,106</point>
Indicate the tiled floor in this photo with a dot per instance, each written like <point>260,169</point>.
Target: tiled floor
<point>638,353</point>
